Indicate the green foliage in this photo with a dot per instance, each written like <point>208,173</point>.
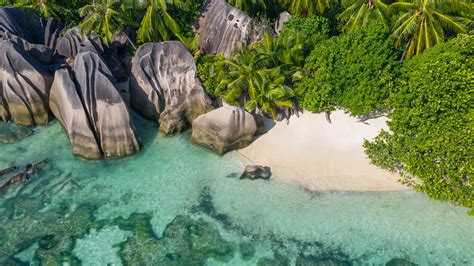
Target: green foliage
<point>361,12</point>
<point>211,71</point>
<point>45,8</point>
<point>307,8</point>
<point>157,24</point>
<point>354,71</point>
<point>432,123</point>
<point>103,17</point>
<point>314,29</point>
<point>421,24</point>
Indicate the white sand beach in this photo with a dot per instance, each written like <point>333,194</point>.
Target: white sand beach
<point>322,156</point>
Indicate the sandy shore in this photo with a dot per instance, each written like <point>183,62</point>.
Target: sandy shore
<point>322,156</point>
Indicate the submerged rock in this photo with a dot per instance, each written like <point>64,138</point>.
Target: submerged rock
<point>165,86</point>
<point>185,241</point>
<point>400,262</point>
<point>224,129</point>
<point>12,133</point>
<point>90,108</point>
<point>221,27</point>
<point>256,172</point>
<point>25,86</point>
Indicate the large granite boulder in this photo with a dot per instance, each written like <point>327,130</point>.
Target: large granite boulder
<point>70,44</point>
<point>165,86</point>
<point>33,34</point>
<point>74,41</point>
<point>221,27</point>
<point>91,110</point>
<point>224,129</point>
<point>25,86</point>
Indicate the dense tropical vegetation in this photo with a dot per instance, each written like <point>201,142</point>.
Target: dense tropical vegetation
<point>408,59</point>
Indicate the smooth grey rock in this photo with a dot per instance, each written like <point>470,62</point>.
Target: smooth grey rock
<point>67,107</point>
<point>221,27</point>
<point>282,18</point>
<point>71,43</point>
<point>33,34</point>
<point>165,87</point>
<point>25,86</point>
<point>224,129</point>
<point>256,172</point>
<point>91,110</point>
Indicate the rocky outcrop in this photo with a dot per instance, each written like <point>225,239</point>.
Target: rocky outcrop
<point>280,22</point>
<point>165,86</point>
<point>89,106</point>
<point>224,129</point>
<point>25,86</point>
<point>70,44</point>
<point>253,172</point>
<point>221,27</point>
<point>33,34</point>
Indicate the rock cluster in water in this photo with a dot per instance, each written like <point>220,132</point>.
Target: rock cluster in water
<point>84,84</point>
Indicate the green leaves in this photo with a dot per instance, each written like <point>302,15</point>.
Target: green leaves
<point>421,24</point>
<point>354,71</point>
<point>157,24</point>
<point>104,17</point>
<point>431,140</point>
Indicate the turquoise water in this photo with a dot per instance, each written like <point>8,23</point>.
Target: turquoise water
<point>176,203</point>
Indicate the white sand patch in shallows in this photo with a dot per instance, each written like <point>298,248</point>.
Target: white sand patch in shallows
<point>322,156</point>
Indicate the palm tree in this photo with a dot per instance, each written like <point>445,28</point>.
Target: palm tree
<point>361,12</point>
<point>424,23</point>
<point>307,8</point>
<point>249,82</point>
<point>46,8</point>
<point>156,24</point>
<point>104,17</point>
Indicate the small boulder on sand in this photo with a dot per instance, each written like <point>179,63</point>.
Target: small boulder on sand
<point>256,172</point>
<point>224,129</point>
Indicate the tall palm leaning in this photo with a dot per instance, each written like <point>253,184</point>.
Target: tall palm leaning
<point>307,8</point>
<point>360,12</point>
<point>157,24</point>
<point>422,24</point>
<point>104,17</point>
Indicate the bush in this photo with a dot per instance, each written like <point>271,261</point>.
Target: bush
<point>354,71</point>
<point>315,29</point>
<point>432,123</point>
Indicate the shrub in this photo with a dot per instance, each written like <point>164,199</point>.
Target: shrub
<point>354,71</point>
<point>432,123</point>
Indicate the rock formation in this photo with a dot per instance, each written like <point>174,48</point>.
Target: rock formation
<point>25,86</point>
<point>89,106</point>
<point>221,27</point>
<point>224,129</point>
<point>253,172</point>
<point>70,44</point>
<point>279,23</point>
<point>33,34</point>
<point>165,86</point>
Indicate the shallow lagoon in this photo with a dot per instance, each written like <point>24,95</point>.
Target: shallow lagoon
<point>176,203</point>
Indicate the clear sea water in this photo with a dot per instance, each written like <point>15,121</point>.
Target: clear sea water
<point>178,204</point>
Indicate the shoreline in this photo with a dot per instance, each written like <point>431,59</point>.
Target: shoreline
<point>322,156</point>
